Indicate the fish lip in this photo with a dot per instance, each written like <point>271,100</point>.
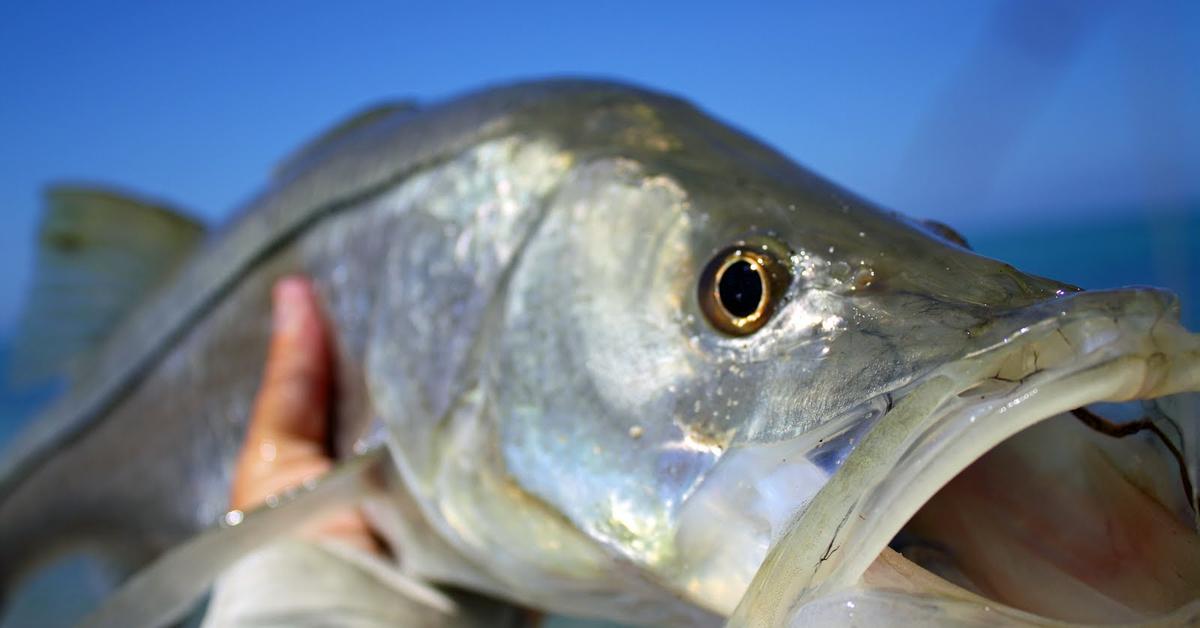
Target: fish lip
<point>1129,346</point>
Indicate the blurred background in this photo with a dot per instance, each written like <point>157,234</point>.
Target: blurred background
<point>1061,136</point>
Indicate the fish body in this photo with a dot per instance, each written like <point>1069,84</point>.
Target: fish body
<point>534,296</point>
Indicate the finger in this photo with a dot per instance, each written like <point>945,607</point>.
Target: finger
<point>285,440</point>
<point>294,402</point>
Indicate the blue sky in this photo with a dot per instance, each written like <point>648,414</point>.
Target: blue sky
<point>982,114</point>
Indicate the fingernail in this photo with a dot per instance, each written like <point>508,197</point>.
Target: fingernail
<point>290,295</point>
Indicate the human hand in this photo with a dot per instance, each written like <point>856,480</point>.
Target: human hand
<point>287,439</point>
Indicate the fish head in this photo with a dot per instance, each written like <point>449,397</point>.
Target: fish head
<point>693,352</point>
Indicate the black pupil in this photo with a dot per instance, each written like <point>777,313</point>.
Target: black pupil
<point>741,289</point>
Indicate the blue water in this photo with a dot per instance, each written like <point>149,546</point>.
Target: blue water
<point>1127,250</point>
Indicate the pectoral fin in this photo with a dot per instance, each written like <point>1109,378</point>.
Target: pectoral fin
<point>165,590</point>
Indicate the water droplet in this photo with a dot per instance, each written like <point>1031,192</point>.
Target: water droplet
<point>636,431</point>
<point>233,517</point>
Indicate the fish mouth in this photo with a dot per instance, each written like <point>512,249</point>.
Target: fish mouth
<point>1080,518</point>
<point>1050,477</point>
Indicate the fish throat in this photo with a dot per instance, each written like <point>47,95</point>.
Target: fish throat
<point>1052,522</point>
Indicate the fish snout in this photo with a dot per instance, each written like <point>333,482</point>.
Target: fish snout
<point>1083,321</point>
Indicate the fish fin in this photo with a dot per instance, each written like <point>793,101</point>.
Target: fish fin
<point>169,587</point>
<point>323,583</point>
<point>311,151</point>
<point>99,254</point>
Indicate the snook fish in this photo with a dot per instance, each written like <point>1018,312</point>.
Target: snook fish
<point>630,363</point>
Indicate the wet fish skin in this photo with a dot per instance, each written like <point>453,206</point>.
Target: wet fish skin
<point>510,280</point>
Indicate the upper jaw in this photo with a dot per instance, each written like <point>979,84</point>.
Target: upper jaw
<point>1079,350</point>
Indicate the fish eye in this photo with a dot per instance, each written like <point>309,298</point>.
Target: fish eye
<point>742,286</point>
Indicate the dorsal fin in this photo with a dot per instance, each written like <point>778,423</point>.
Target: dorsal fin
<point>312,150</point>
<point>98,255</point>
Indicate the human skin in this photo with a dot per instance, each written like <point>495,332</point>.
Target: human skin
<point>287,440</point>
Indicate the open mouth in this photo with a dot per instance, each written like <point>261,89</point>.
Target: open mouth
<point>1084,517</point>
<point>1052,477</point>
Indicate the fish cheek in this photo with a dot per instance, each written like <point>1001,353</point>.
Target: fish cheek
<point>592,357</point>
<point>452,234</point>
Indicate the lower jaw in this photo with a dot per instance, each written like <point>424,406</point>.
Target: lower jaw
<point>1041,551</point>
